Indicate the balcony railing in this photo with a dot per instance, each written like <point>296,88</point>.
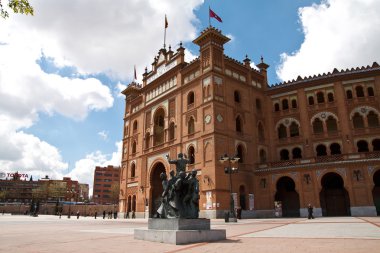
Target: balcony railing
<point>320,159</point>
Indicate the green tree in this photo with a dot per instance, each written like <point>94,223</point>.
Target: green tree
<point>18,6</point>
<point>115,191</point>
<point>57,190</point>
<point>3,195</point>
<point>41,192</point>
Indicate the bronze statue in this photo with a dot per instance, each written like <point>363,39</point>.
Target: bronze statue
<point>180,196</point>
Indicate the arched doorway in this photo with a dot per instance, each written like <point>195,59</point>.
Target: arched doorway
<point>159,127</point>
<point>376,191</point>
<point>129,208</point>
<point>156,188</point>
<point>333,196</point>
<point>286,193</point>
<point>242,199</point>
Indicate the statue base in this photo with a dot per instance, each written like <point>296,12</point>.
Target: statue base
<point>179,231</point>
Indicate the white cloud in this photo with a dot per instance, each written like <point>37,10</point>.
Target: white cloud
<point>28,154</point>
<point>111,37</point>
<point>91,36</point>
<point>84,168</point>
<point>338,34</point>
<point>103,134</point>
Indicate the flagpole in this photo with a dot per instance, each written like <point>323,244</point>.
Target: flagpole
<point>165,34</point>
<point>209,18</point>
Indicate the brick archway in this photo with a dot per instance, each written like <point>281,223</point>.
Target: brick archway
<point>156,187</point>
<point>376,191</point>
<point>287,194</point>
<point>334,198</point>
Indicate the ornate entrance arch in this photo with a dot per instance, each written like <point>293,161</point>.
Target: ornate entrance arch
<point>333,196</point>
<point>376,191</point>
<point>286,193</point>
<point>242,198</point>
<point>156,187</point>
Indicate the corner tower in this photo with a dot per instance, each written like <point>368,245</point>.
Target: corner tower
<point>211,43</point>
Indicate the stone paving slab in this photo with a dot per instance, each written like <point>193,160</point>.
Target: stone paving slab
<point>45,234</point>
<point>322,230</point>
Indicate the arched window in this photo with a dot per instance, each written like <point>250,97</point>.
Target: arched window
<point>320,97</point>
<point>284,155</point>
<point>258,104</point>
<point>373,119</point>
<point>263,156</point>
<point>147,140</point>
<point>285,104</point>
<point>190,98</point>
<point>362,146</point>
<point>191,155</point>
<point>191,126</point>
<point>321,150</point>
<point>311,100</point>
<point>238,125</point>
<point>359,91</point>
<point>335,149</point>
<point>134,203</point>
<point>317,126</point>
<point>294,103</point>
<point>330,97</point>
<point>171,131</point>
<point>129,208</point>
<point>133,170</point>
<point>134,125</point>
<point>358,121</point>
<point>376,144</point>
<point>370,92</point>
<point>282,132</point>
<point>159,127</point>
<point>240,153</point>
<point>236,96</point>
<point>349,94</point>
<point>331,124</point>
<point>294,129</point>
<point>133,147</point>
<point>297,153</point>
<point>276,107</point>
<point>260,130</point>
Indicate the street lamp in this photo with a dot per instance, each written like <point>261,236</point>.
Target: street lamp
<point>229,170</point>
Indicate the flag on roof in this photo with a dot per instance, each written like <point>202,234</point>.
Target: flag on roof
<point>214,15</point>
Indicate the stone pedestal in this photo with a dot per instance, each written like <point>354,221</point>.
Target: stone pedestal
<point>179,231</point>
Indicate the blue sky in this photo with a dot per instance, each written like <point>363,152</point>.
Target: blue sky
<point>61,71</point>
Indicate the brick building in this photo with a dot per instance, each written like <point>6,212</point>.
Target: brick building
<point>106,184</point>
<point>311,140</point>
<point>45,189</point>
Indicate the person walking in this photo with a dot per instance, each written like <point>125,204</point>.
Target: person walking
<point>78,214</point>
<point>104,215</point>
<point>96,214</point>
<point>310,212</point>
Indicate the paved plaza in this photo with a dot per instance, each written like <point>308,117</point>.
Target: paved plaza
<point>51,234</point>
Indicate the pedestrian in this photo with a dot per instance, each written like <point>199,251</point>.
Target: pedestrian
<point>310,212</point>
<point>104,215</point>
<point>96,214</point>
<point>78,214</point>
<point>133,215</point>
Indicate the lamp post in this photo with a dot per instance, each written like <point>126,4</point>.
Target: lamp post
<point>230,169</point>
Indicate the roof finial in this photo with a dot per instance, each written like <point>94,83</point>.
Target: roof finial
<point>262,59</point>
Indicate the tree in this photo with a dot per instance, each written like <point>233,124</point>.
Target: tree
<point>18,6</point>
<point>115,189</point>
<point>41,192</point>
<point>3,195</point>
<point>57,190</point>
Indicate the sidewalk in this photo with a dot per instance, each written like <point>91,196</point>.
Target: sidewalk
<point>51,234</point>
